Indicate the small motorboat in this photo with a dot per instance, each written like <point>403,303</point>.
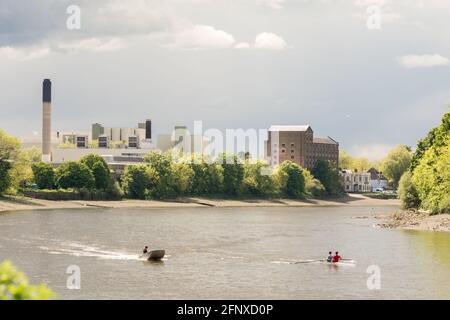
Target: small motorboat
<point>154,255</point>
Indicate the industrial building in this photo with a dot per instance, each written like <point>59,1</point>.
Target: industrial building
<point>298,144</point>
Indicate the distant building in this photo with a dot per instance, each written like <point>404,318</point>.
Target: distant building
<point>377,180</point>
<point>117,136</point>
<point>355,181</point>
<point>298,144</point>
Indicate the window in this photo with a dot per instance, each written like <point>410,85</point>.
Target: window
<point>283,151</point>
<point>292,157</point>
<point>292,145</point>
<point>292,151</point>
<point>283,144</point>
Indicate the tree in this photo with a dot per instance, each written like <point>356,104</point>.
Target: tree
<point>207,178</point>
<point>290,179</point>
<point>360,164</point>
<point>396,163</point>
<point>73,174</point>
<point>139,181</point>
<point>233,174</point>
<point>407,192</point>
<point>162,165</point>
<point>436,137</point>
<point>14,285</point>
<point>43,175</point>
<point>181,178</point>
<point>327,173</point>
<point>431,178</point>
<point>99,169</point>
<point>257,179</point>
<point>9,148</point>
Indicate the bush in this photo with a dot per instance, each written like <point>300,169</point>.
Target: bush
<point>14,285</point>
<point>74,175</point>
<point>43,175</point>
<point>407,192</point>
<point>313,187</point>
<point>290,180</point>
<point>79,194</point>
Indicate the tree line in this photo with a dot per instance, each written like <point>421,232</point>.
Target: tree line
<point>162,177</point>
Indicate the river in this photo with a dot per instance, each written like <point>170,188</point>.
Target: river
<point>226,253</point>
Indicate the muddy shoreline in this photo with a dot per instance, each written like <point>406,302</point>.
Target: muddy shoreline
<point>23,203</point>
<point>416,220</point>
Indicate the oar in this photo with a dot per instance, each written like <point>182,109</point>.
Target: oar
<point>309,261</point>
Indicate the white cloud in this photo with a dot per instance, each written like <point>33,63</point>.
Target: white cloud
<point>242,45</point>
<point>267,40</point>
<point>92,44</point>
<point>203,37</point>
<point>426,60</point>
<point>23,54</point>
<point>274,4</point>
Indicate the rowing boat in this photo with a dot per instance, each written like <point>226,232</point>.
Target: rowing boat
<point>343,262</point>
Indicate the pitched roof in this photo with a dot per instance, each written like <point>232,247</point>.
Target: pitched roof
<point>289,128</point>
<point>327,140</point>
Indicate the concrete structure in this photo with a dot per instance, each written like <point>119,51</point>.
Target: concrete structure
<point>377,180</point>
<point>298,144</point>
<point>355,181</point>
<point>46,120</point>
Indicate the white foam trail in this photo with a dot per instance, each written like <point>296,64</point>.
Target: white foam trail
<point>80,250</point>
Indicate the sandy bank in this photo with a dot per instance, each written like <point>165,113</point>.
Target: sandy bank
<point>410,220</point>
<point>23,203</point>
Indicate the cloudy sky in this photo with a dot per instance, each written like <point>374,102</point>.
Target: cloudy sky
<point>232,64</point>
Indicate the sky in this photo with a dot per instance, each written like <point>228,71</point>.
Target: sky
<point>369,73</point>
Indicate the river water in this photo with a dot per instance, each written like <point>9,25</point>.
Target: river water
<point>226,253</point>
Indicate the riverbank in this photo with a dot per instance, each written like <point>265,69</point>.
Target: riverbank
<point>11,203</point>
<point>411,220</point>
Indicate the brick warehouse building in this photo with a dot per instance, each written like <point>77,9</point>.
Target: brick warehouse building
<point>298,144</point>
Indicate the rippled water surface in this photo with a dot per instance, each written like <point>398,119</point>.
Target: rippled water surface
<point>231,253</point>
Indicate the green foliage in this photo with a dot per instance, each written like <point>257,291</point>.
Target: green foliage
<point>360,164</point>
<point>257,179</point>
<point>9,149</point>
<point>313,187</point>
<point>44,175</point>
<point>73,174</point>
<point>431,177</point>
<point>99,169</point>
<point>327,173</point>
<point>436,137</point>
<point>290,180</point>
<point>5,177</point>
<point>407,192</point>
<point>139,181</point>
<point>180,180</point>
<point>233,174</point>
<point>14,285</point>
<point>396,163</point>
<point>207,178</point>
<point>168,175</point>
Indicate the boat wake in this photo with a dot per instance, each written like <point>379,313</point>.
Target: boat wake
<point>81,250</point>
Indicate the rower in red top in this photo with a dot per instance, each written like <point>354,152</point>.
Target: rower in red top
<point>337,257</point>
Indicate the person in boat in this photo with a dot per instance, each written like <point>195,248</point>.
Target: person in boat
<point>145,250</point>
<point>337,257</point>
<point>330,257</point>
